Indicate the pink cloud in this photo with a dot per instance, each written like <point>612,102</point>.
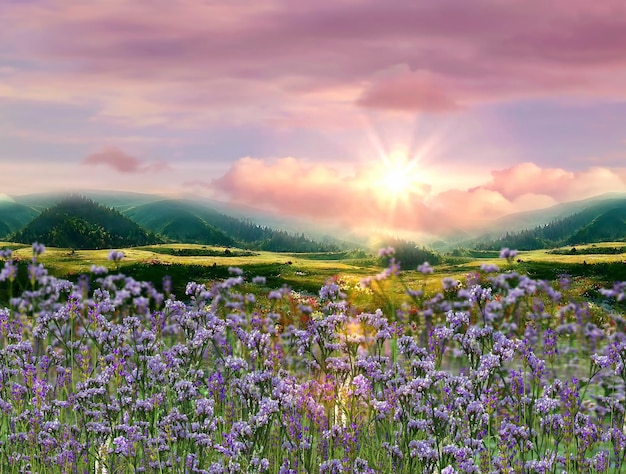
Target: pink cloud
<point>291,186</point>
<point>562,185</point>
<point>621,172</point>
<point>296,188</point>
<point>123,163</point>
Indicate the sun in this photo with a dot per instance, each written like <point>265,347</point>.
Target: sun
<point>397,178</point>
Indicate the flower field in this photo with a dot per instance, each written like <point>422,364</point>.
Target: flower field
<point>497,373</point>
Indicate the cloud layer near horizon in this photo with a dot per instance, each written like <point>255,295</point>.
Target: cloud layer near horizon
<point>299,189</point>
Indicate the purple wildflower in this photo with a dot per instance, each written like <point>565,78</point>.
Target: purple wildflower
<point>489,268</point>
<point>386,252</point>
<point>508,254</point>
<point>38,249</point>
<point>425,268</point>
<point>116,255</point>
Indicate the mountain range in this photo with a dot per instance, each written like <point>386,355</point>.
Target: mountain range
<point>128,219</point>
<point>199,221</point>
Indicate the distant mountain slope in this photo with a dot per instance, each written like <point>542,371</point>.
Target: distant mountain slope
<point>529,219</point>
<point>188,221</point>
<point>14,216</point>
<point>179,221</point>
<point>77,222</point>
<point>601,221</point>
<point>610,226</point>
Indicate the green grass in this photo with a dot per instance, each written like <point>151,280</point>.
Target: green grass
<point>320,255</point>
<point>307,272</point>
<point>204,251</point>
<point>186,262</point>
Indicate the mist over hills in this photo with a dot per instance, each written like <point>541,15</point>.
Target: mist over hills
<point>124,201</point>
<point>115,199</point>
<point>14,216</point>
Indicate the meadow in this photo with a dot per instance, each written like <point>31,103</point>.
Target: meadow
<point>310,363</point>
<point>308,272</point>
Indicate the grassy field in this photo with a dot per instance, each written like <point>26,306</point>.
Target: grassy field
<point>307,272</point>
<point>304,272</point>
<point>309,267</point>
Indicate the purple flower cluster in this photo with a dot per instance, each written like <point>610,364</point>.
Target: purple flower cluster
<point>116,255</point>
<point>499,373</point>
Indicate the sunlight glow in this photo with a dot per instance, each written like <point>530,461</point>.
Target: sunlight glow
<point>397,178</point>
<point>405,148</point>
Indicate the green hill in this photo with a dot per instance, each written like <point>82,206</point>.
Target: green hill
<point>14,216</point>
<point>599,222</point>
<point>192,222</point>
<point>179,221</point>
<point>608,227</point>
<point>77,222</point>
<point>540,217</point>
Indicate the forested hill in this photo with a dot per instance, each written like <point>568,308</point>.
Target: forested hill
<point>78,222</point>
<point>191,222</point>
<point>600,223</point>
<point>610,226</point>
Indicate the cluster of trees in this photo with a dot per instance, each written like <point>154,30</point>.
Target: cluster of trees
<point>281,241</point>
<point>186,252</point>
<point>530,239</point>
<point>409,254</point>
<point>589,251</point>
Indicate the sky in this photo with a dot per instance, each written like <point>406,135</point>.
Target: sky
<point>422,116</point>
